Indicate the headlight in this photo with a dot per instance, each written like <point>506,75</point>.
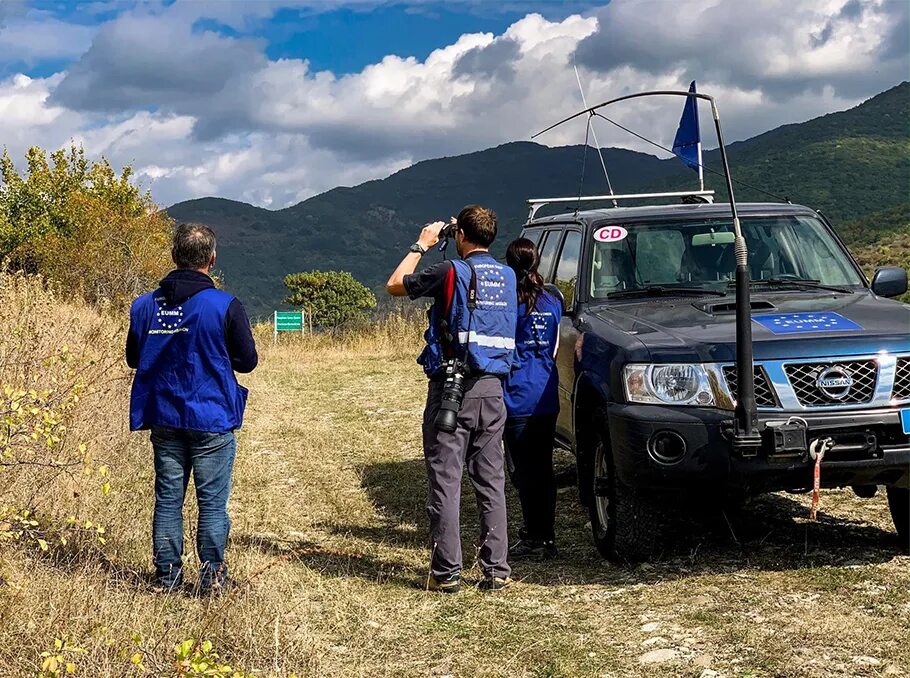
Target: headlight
<point>677,384</point>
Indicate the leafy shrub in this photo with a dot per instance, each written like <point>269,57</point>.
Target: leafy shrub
<point>192,659</point>
<point>59,661</point>
<point>892,251</point>
<point>332,298</point>
<point>86,229</point>
<point>53,476</point>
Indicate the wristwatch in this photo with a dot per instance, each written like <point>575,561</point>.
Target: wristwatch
<point>417,248</point>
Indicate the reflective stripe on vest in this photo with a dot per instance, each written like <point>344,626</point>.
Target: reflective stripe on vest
<point>484,339</point>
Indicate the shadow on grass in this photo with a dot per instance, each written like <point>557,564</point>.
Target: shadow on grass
<point>768,534</point>
<point>328,561</point>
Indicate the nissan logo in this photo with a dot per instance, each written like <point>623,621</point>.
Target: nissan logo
<point>834,382</point>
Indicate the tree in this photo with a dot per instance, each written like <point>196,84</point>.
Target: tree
<point>87,229</point>
<point>330,297</point>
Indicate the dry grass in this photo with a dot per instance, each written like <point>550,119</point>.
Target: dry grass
<point>328,523</point>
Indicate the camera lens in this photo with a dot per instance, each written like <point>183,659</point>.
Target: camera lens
<point>451,400</point>
<point>446,420</point>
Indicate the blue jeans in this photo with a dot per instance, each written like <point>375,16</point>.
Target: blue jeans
<point>210,457</point>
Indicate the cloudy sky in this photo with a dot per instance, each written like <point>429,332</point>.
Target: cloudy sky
<point>271,102</point>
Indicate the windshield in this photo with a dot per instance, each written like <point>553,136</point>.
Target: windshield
<point>700,254</point>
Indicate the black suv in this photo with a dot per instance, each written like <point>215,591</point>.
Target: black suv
<point>647,361</point>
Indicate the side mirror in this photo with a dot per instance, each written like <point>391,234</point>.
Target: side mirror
<point>889,281</point>
<point>556,292</point>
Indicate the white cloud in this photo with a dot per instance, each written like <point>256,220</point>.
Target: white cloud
<point>31,38</point>
<point>199,113</point>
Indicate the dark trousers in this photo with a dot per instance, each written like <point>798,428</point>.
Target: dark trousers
<point>477,443</point>
<point>210,458</point>
<point>529,450</point>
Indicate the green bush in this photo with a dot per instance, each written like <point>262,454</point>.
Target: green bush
<point>331,298</point>
<point>89,231</point>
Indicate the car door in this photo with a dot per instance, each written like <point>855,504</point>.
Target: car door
<point>565,277</point>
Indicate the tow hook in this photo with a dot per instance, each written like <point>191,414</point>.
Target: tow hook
<point>817,450</point>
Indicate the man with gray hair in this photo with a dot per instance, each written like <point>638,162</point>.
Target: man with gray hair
<point>186,339</point>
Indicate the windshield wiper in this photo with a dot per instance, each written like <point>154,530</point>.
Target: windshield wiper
<point>796,282</point>
<point>665,291</point>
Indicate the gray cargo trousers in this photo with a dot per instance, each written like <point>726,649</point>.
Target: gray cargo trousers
<point>477,443</point>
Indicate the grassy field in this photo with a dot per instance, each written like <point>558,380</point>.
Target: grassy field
<point>329,536</point>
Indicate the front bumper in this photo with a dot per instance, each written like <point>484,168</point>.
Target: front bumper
<point>709,460</point>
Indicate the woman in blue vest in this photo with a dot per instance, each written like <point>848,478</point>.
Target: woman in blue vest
<point>532,403</point>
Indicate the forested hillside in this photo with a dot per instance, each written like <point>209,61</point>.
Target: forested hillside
<point>851,165</point>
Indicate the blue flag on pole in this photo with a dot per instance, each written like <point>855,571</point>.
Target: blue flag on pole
<point>688,136</point>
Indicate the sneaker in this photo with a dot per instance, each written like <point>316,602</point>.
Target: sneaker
<point>530,549</point>
<point>450,585</point>
<point>495,583</point>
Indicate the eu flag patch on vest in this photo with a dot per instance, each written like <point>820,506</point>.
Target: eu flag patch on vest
<point>797,323</point>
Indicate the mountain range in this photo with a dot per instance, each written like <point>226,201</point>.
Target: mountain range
<point>851,165</point>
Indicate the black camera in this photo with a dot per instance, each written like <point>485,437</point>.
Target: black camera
<point>452,396</point>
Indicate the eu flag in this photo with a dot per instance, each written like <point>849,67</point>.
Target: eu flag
<point>688,137</point>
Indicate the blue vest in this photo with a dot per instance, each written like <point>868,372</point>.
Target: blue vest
<point>184,379</point>
<point>484,338</point>
<point>532,387</point>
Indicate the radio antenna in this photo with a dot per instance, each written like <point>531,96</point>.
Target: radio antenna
<point>584,103</point>
<point>747,438</point>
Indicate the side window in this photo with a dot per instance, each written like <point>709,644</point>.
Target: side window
<point>533,235</point>
<point>567,268</point>
<point>548,253</point>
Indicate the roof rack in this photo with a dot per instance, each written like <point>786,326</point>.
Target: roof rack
<point>536,203</point>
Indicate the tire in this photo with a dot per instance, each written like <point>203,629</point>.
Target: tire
<point>584,471</point>
<point>899,504</point>
<point>627,526</point>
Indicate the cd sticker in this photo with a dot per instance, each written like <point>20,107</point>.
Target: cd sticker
<point>610,234</point>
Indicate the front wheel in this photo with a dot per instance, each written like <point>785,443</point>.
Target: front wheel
<point>899,503</point>
<point>626,525</point>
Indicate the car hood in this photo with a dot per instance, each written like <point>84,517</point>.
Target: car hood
<point>702,330</point>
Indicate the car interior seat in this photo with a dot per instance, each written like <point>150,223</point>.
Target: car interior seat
<point>706,263</point>
<point>616,271</point>
<point>761,261</point>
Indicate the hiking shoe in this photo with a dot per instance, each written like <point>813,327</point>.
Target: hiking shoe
<point>450,585</point>
<point>530,549</point>
<point>165,587</point>
<point>219,587</point>
<point>495,583</point>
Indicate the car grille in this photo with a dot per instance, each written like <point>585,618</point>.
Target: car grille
<point>764,392</point>
<point>902,380</point>
<point>804,375</point>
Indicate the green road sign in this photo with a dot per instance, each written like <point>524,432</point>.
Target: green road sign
<point>289,321</point>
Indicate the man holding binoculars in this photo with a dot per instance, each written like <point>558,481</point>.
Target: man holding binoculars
<point>470,342</point>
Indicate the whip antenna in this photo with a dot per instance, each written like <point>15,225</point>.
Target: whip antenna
<point>746,437</point>
<point>584,103</point>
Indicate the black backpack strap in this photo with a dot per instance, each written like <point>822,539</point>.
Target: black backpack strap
<point>472,288</point>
